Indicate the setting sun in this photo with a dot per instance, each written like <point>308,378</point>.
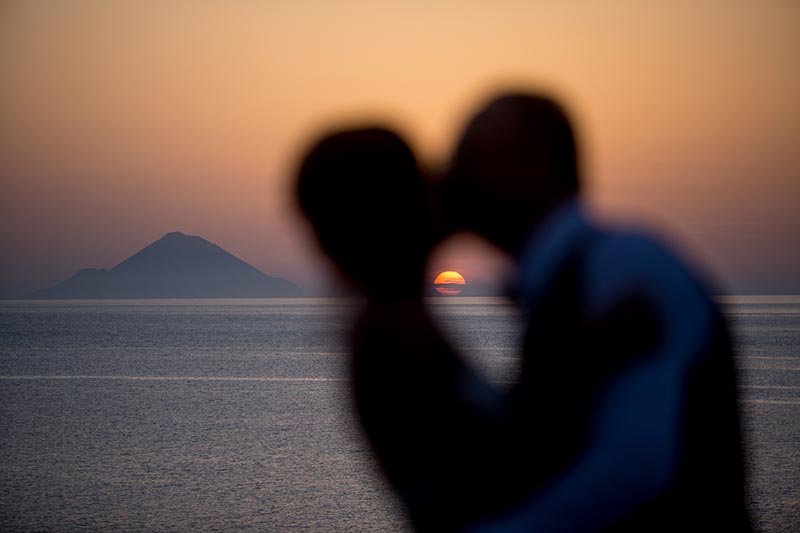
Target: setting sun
<point>449,283</point>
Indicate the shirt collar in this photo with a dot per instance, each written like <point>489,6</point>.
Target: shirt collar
<point>547,247</point>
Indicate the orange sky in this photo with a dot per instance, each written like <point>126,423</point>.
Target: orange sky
<point>121,121</point>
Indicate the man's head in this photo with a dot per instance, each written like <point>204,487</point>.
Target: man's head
<point>515,161</point>
<point>366,199</point>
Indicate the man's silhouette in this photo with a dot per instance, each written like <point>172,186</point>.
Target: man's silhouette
<point>625,413</point>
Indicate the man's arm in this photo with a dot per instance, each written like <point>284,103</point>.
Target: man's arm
<point>635,433</point>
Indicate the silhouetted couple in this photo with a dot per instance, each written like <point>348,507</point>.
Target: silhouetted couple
<point>624,416</point>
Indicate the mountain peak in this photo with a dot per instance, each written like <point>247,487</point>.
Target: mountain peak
<point>178,235</point>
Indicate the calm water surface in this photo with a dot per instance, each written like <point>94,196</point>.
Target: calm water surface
<point>234,414</point>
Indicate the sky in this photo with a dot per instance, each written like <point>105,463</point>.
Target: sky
<point>122,121</point>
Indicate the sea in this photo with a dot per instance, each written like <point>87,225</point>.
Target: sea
<point>235,415</point>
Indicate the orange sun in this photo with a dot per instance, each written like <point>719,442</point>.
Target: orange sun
<point>449,283</point>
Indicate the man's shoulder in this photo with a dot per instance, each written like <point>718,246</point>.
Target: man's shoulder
<point>630,263</point>
<point>635,255</point>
